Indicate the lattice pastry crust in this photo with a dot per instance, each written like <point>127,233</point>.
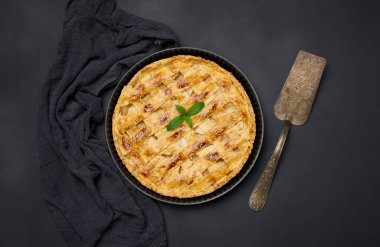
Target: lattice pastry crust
<point>185,162</point>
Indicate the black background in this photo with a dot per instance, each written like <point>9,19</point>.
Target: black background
<point>326,192</point>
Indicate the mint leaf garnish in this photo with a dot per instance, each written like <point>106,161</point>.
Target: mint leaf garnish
<point>181,109</point>
<point>177,121</point>
<point>185,115</point>
<point>195,109</point>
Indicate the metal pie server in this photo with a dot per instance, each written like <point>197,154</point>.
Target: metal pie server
<point>292,107</point>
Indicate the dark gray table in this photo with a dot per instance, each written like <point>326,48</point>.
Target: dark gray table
<point>326,192</point>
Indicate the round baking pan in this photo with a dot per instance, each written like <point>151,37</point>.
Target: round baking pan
<point>227,66</point>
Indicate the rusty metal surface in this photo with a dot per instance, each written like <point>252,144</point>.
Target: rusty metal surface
<point>297,95</point>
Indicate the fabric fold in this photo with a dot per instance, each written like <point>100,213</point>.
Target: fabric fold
<point>90,201</point>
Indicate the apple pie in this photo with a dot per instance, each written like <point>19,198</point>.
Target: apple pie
<point>185,162</point>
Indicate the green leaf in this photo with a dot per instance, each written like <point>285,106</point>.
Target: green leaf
<point>188,121</point>
<point>177,121</point>
<point>195,109</point>
<point>185,116</point>
<point>181,110</point>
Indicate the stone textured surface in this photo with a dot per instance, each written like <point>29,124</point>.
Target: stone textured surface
<point>326,187</point>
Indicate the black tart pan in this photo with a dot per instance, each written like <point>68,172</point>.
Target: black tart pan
<point>224,63</point>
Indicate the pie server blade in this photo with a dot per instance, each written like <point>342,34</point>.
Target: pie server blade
<point>297,96</point>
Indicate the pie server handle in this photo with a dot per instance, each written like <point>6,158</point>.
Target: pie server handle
<point>261,190</point>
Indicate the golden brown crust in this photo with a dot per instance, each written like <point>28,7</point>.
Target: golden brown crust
<point>185,162</point>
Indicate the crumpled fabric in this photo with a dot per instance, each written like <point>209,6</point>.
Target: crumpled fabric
<point>91,203</point>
